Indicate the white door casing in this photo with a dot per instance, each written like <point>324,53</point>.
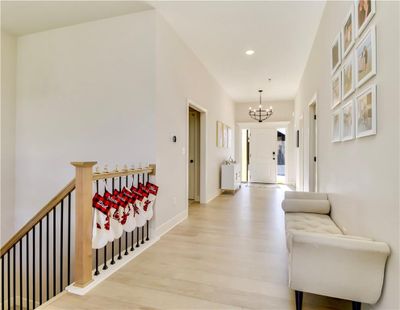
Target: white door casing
<point>263,155</point>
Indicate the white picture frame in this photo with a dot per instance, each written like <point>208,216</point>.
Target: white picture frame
<point>348,76</point>
<point>336,51</point>
<point>360,10</point>
<point>336,126</point>
<point>336,87</point>
<point>348,29</point>
<point>366,112</point>
<point>348,121</point>
<point>365,54</point>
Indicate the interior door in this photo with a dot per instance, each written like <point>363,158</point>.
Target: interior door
<point>263,155</point>
<point>194,155</point>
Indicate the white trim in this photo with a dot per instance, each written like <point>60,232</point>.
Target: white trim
<point>203,150</point>
<point>104,274</point>
<point>171,223</point>
<point>371,32</point>
<point>314,101</point>
<point>215,196</point>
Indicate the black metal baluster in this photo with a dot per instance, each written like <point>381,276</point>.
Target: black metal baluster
<point>54,252</point>
<point>33,268</point>
<point>105,267</point>
<point>40,263</point>
<point>2,283</point>
<point>27,271</point>
<point>8,280</point>
<point>97,272</point>
<point>47,258</point>
<point>14,275</point>
<point>147,222</point>
<point>132,233</point>
<point>126,233</point>
<point>20,273</point>
<point>69,241</point>
<point>120,238</point>
<point>137,237</point>
<point>61,244</point>
<point>112,245</point>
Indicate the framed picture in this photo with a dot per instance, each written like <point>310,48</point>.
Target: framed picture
<point>365,10</point>
<point>366,112</point>
<point>348,35</point>
<point>219,134</point>
<point>336,57</point>
<point>348,80</point>
<point>225,135</point>
<point>229,137</point>
<point>366,57</point>
<point>336,126</point>
<point>348,119</point>
<point>336,89</point>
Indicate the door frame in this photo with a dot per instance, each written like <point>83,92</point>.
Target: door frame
<point>249,125</point>
<point>312,126</point>
<point>203,149</point>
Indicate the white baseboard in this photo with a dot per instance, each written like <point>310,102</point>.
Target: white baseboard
<point>167,226</point>
<point>104,274</point>
<point>215,196</point>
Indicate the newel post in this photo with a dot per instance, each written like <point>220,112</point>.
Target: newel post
<point>83,222</point>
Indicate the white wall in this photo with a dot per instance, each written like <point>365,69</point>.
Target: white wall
<point>85,92</point>
<point>181,76</point>
<point>8,104</point>
<point>361,176</point>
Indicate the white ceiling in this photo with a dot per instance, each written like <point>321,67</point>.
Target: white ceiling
<point>218,32</point>
<point>24,17</point>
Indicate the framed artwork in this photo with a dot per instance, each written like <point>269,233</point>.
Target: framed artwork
<point>365,10</point>
<point>225,135</point>
<point>219,134</point>
<point>336,89</point>
<point>348,119</point>
<point>229,137</point>
<point>348,35</point>
<point>366,57</point>
<point>336,126</point>
<point>335,55</point>
<point>366,112</point>
<point>348,80</point>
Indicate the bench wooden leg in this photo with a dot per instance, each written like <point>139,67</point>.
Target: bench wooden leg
<point>299,300</point>
<point>356,305</point>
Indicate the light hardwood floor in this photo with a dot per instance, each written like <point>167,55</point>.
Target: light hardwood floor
<point>228,254</point>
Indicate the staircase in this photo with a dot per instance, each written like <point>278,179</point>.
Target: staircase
<point>53,250</point>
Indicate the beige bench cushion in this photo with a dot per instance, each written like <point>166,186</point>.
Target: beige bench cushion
<point>309,222</point>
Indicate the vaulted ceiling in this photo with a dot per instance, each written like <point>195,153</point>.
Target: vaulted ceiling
<point>281,34</point>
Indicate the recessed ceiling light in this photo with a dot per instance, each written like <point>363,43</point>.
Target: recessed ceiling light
<point>250,52</point>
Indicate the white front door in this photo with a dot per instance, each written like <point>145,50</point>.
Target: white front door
<point>263,155</point>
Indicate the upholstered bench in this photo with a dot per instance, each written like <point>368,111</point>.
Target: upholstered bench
<point>323,260</point>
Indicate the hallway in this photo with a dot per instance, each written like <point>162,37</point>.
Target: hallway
<point>228,254</point>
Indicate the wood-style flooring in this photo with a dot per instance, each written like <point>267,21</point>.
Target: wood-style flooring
<point>229,254</point>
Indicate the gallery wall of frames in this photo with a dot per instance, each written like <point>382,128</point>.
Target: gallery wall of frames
<point>353,60</point>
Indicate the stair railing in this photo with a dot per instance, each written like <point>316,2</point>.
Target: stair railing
<point>48,253</point>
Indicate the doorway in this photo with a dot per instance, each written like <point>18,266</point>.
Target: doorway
<point>281,157</point>
<point>263,155</point>
<point>312,159</point>
<point>194,156</point>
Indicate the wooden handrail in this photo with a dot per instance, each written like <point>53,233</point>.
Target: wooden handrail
<point>38,216</point>
<point>61,195</point>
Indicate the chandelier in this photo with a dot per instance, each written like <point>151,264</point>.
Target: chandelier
<point>260,114</point>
